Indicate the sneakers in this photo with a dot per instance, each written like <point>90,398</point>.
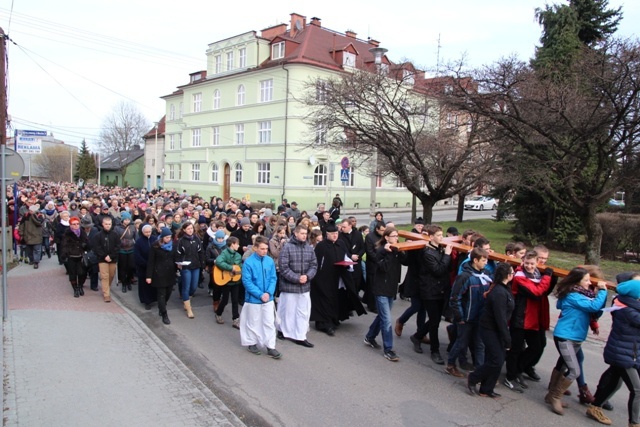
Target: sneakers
<point>391,355</point>
<point>453,371</point>
<point>521,382</point>
<point>437,359</point>
<point>371,342</point>
<point>512,385</point>
<point>532,374</point>
<point>273,353</point>
<point>254,349</point>
<point>595,412</point>
<point>236,323</point>
<point>219,320</point>
<point>416,344</point>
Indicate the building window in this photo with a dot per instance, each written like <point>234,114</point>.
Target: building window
<point>172,172</point>
<point>215,135</point>
<point>242,58</point>
<point>240,97</point>
<point>172,142</point>
<point>181,111</point>
<point>172,112</point>
<point>352,177</point>
<point>399,183</point>
<point>321,91</point>
<point>218,63</point>
<point>216,99</point>
<point>348,59</point>
<point>229,61</point>
<point>195,171</point>
<point>321,135</point>
<point>264,173</point>
<point>238,172</point>
<point>195,137</point>
<point>214,172</point>
<point>264,132</point>
<point>320,176</point>
<point>266,90</point>
<point>277,51</point>
<point>240,134</point>
<point>180,141</point>
<point>197,102</point>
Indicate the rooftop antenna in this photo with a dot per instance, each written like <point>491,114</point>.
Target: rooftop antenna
<point>438,56</point>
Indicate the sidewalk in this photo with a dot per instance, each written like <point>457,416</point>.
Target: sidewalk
<point>79,361</point>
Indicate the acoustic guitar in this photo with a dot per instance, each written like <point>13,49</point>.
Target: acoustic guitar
<point>222,277</point>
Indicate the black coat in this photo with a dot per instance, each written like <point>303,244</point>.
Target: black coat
<point>190,250</point>
<point>497,311</point>
<point>106,243</point>
<point>161,267</point>
<point>434,273</point>
<point>388,272</point>
<point>73,246</point>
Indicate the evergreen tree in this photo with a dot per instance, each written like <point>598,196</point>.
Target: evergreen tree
<point>86,167</point>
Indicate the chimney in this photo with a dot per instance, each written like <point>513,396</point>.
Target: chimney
<point>373,42</point>
<point>297,24</point>
<point>271,32</point>
<point>351,34</point>
<point>315,21</point>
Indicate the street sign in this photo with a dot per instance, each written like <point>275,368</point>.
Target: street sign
<point>344,175</point>
<point>29,141</point>
<point>15,166</point>
<point>344,163</point>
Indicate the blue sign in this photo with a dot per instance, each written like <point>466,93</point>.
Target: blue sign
<point>344,175</point>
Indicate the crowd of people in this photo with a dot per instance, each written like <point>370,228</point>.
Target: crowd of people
<point>284,268</point>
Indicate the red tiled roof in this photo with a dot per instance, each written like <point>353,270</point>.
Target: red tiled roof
<point>152,132</point>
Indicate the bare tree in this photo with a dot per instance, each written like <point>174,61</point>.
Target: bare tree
<point>123,128</point>
<point>55,163</point>
<point>398,126</point>
<point>570,136</point>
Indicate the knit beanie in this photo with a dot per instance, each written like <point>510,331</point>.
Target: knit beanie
<point>630,288</point>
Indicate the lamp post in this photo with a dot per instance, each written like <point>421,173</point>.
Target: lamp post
<point>378,53</point>
<point>155,157</point>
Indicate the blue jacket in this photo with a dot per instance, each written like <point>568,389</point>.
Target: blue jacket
<point>258,277</point>
<point>575,314</point>
<point>623,346</point>
<point>467,296</point>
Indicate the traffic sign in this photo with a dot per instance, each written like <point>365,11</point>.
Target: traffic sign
<point>29,141</point>
<point>344,163</point>
<point>344,175</point>
<point>15,166</point>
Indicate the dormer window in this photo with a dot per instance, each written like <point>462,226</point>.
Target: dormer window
<point>277,51</point>
<point>348,59</point>
<point>407,77</point>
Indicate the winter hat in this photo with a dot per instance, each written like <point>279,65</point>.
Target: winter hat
<point>165,232</point>
<point>86,221</point>
<point>314,218</point>
<point>268,212</point>
<point>245,221</point>
<point>624,277</point>
<point>34,208</point>
<point>50,205</point>
<point>125,215</point>
<point>331,228</point>
<point>630,288</point>
<point>220,234</point>
<point>419,220</point>
<point>202,220</point>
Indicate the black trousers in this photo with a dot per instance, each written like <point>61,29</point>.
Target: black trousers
<point>234,291</point>
<point>520,358</point>
<point>126,267</point>
<point>77,271</point>
<point>435,308</point>
<point>163,295</point>
<point>494,354</point>
<point>610,382</point>
<point>146,292</point>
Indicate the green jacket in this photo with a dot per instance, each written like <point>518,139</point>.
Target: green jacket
<point>227,259</point>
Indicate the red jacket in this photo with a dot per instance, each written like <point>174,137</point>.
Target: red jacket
<point>532,305</point>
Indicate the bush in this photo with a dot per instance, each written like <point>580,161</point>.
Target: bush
<point>620,235</point>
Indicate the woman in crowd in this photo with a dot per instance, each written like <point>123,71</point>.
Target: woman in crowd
<point>576,306</point>
<point>161,271</point>
<point>141,252</point>
<point>126,265</point>
<point>189,250</point>
<point>74,243</point>
<point>494,331</point>
<point>258,227</point>
<point>378,217</point>
<point>61,226</point>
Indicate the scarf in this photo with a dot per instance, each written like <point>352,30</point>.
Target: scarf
<point>484,279</point>
<point>167,246</point>
<point>76,231</point>
<point>50,212</point>
<point>65,223</point>
<point>211,233</point>
<point>186,236</point>
<point>219,245</point>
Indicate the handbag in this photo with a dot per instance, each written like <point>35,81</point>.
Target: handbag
<point>85,260</point>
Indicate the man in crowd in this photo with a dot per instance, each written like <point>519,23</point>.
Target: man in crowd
<point>106,245</point>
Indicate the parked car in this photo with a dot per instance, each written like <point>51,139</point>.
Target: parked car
<point>480,203</point>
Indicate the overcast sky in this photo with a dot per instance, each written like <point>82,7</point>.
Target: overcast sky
<point>73,60</point>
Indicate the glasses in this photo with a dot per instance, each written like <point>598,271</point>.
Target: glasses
<point>75,223</point>
<point>511,273</point>
<point>395,236</point>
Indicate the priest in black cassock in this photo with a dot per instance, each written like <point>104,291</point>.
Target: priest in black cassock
<point>333,293</point>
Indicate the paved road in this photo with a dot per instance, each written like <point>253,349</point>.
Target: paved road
<point>439,214</point>
<point>341,381</point>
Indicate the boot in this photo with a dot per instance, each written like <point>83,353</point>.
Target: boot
<point>165,318</point>
<point>81,290</point>
<point>129,286</point>
<point>594,412</point>
<point>585,395</point>
<point>555,376</point>
<point>187,307</point>
<point>124,288</point>
<point>76,292</point>
<point>556,394</point>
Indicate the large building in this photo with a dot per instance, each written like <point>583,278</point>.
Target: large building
<point>154,156</point>
<point>236,129</point>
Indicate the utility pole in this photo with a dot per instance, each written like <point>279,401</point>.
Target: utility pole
<point>3,148</point>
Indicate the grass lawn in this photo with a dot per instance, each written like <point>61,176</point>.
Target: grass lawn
<point>500,233</point>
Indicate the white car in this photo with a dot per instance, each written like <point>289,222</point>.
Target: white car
<point>480,203</point>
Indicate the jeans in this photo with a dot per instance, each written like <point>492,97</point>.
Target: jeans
<point>467,332</point>
<point>46,245</point>
<point>34,253</point>
<point>189,282</point>
<point>382,322</point>
<point>416,307</point>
